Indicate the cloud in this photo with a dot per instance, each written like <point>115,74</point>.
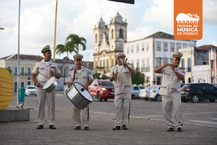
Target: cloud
<point>161,12</point>
<point>209,11</point>
<point>214,43</point>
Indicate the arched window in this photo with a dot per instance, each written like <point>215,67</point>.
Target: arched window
<point>112,34</point>
<point>189,64</point>
<point>183,63</point>
<point>95,38</point>
<point>121,33</point>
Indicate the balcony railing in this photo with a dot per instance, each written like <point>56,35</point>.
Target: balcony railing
<point>23,74</point>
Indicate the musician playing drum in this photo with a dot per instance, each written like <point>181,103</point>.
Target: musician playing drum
<point>42,70</point>
<point>120,74</point>
<point>170,92</point>
<point>83,76</point>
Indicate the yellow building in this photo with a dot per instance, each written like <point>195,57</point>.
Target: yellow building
<point>187,62</point>
<point>107,41</point>
<point>27,62</point>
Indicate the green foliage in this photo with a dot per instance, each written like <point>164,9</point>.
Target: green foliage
<point>104,77</point>
<point>10,71</point>
<point>96,75</point>
<point>138,78</point>
<point>74,42</point>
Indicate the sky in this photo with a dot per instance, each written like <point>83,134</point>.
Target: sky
<point>37,18</point>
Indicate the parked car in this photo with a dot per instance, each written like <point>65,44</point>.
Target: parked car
<point>144,93</point>
<point>154,93</point>
<point>136,91</point>
<point>102,89</point>
<point>198,91</point>
<point>30,90</point>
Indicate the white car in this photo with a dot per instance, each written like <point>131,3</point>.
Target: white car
<point>154,93</point>
<point>144,93</point>
<point>30,90</point>
<point>136,90</point>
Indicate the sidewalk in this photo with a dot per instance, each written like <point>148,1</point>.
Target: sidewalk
<point>140,132</point>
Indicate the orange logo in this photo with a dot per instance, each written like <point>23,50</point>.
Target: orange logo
<point>188,19</point>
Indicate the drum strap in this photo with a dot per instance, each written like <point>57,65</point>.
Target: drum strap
<point>74,75</point>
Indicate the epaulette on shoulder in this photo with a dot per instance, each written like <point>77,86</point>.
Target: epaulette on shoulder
<point>71,69</point>
<point>53,61</point>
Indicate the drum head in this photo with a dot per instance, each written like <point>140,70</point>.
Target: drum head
<point>49,82</point>
<point>83,91</point>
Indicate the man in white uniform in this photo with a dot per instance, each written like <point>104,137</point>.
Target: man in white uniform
<point>120,74</point>
<point>83,76</point>
<point>42,70</point>
<point>170,92</point>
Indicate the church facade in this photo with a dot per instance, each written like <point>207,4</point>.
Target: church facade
<point>108,40</point>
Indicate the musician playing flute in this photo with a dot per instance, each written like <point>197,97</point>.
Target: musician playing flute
<point>170,92</point>
<point>120,75</point>
<point>42,70</point>
<point>83,76</point>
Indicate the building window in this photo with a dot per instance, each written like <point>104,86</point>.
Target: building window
<point>132,49</point>
<point>165,46</point>
<point>128,50</point>
<point>147,46</point>
<point>143,48</point>
<point>112,34</point>
<point>184,45</point>
<point>28,82</point>
<point>171,61</point>
<point>15,70</point>
<point>29,71</point>
<point>132,63</point>
<point>189,65</point>
<point>121,35</point>
<point>148,63</point>
<point>22,84</point>
<point>95,38</point>
<point>158,60</point>
<point>22,71</point>
<point>9,67</point>
<point>172,47</point>
<point>107,63</point>
<point>158,80</point>
<point>158,46</point>
<point>137,48</point>
<point>178,46</point>
<point>103,63</point>
<point>183,63</point>
<point>112,62</point>
<point>165,60</point>
<point>100,63</point>
<point>137,65</point>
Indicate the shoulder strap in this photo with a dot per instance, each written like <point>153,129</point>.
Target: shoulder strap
<point>74,74</point>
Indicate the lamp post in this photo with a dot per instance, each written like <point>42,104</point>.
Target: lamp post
<point>18,56</point>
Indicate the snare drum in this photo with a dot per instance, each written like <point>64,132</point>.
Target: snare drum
<point>50,84</point>
<point>79,96</point>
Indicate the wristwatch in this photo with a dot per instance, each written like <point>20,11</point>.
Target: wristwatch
<point>175,71</point>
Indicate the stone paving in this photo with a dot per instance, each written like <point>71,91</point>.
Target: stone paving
<point>146,125</point>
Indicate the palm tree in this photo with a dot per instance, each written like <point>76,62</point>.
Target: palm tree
<point>75,40</point>
<point>64,48</point>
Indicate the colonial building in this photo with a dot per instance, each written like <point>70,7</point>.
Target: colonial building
<point>153,51</point>
<point>205,66</point>
<point>27,62</point>
<point>107,41</point>
<point>187,62</point>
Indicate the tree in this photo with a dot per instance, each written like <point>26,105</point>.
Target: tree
<point>75,40</point>
<point>10,71</point>
<point>138,78</point>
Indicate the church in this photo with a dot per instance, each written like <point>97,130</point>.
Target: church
<point>108,40</point>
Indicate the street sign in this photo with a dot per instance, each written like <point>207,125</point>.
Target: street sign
<point>124,1</point>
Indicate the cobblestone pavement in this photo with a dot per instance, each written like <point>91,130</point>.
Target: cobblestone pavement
<point>146,126</point>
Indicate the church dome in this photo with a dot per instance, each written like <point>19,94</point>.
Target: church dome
<point>101,23</point>
<point>117,19</point>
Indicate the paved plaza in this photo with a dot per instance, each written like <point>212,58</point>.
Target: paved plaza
<point>147,125</point>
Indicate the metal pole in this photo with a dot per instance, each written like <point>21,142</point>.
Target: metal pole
<point>18,57</point>
<point>55,24</point>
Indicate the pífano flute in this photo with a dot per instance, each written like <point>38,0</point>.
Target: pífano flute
<point>172,64</point>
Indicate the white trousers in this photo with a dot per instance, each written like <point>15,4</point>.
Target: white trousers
<point>122,108</point>
<point>168,104</point>
<point>79,115</point>
<point>44,97</point>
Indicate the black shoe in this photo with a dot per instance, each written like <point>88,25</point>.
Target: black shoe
<point>52,127</point>
<point>86,128</point>
<point>124,127</point>
<point>170,129</point>
<point>40,127</point>
<point>77,128</point>
<point>179,129</point>
<point>116,128</point>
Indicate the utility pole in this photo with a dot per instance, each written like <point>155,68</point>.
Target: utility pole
<point>55,27</point>
<point>18,57</point>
